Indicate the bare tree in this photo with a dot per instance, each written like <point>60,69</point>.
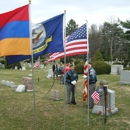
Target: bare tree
<point>95,38</point>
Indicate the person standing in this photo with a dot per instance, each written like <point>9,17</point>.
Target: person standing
<point>92,84</point>
<point>71,80</point>
<point>55,70</point>
<point>60,74</point>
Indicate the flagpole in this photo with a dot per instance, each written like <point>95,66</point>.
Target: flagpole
<point>87,64</point>
<point>32,65</point>
<point>64,35</point>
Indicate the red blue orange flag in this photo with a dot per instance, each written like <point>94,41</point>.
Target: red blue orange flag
<point>14,32</point>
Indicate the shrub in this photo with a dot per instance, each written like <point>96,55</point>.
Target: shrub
<point>76,62</point>
<point>80,68</point>
<point>107,58</point>
<point>101,67</point>
<point>2,61</point>
<point>127,68</point>
<point>124,64</point>
<point>98,56</point>
<point>117,63</point>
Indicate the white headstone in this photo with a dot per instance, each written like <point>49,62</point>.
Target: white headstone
<point>7,83</point>
<point>114,69</point>
<point>20,88</point>
<point>120,67</point>
<point>30,75</point>
<point>23,68</point>
<point>29,65</point>
<point>1,65</point>
<point>50,73</point>
<point>3,82</point>
<point>12,85</point>
<point>16,68</point>
<point>41,66</point>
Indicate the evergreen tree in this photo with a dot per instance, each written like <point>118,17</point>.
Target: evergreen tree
<point>126,25</point>
<point>71,26</point>
<point>98,56</point>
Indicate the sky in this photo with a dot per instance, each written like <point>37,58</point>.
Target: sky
<point>93,11</point>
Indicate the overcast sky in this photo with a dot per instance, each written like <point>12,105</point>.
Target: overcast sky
<point>94,11</point>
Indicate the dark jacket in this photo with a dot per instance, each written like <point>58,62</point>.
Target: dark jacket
<point>55,68</point>
<point>92,76</point>
<point>60,70</point>
<point>70,76</point>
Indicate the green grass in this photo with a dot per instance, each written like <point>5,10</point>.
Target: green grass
<point>17,109</point>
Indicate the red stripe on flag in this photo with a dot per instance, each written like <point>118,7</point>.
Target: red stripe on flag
<point>18,14</point>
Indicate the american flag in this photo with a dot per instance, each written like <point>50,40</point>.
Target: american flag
<point>75,44</point>
<point>37,63</point>
<point>95,97</point>
<point>85,82</point>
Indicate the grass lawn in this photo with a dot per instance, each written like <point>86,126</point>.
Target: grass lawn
<point>17,109</point>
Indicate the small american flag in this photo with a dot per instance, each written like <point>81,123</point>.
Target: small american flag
<point>37,63</point>
<point>75,44</point>
<point>95,97</point>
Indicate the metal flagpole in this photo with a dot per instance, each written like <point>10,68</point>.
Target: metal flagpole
<point>32,65</point>
<point>64,23</point>
<point>87,64</point>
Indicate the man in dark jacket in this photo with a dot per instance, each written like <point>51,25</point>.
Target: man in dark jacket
<point>92,84</point>
<point>71,80</point>
<point>55,70</point>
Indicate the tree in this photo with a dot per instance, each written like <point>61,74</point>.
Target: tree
<point>71,26</point>
<point>98,56</point>
<point>126,25</point>
<point>112,35</point>
<point>95,38</point>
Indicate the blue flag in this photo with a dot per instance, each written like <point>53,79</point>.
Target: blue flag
<point>47,37</point>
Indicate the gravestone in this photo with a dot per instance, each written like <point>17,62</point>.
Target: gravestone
<point>116,69</point>
<point>55,95</point>
<point>29,65</point>
<point>125,77</point>
<point>7,83</point>
<point>41,66</point>
<point>3,82</point>
<point>23,68</point>
<point>30,75</point>
<point>110,104</point>
<point>1,65</point>
<point>50,73</point>
<point>20,88</point>
<point>27,81</point>
<point>16,68</point>
<point>120,67</point>
<point>12,84</point>
<point>97,108</point>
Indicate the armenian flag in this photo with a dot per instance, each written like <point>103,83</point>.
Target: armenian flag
<point>14,32</point>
